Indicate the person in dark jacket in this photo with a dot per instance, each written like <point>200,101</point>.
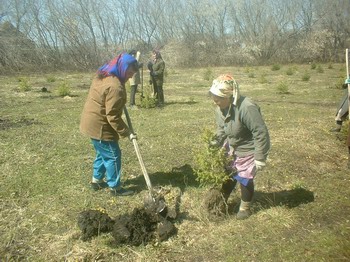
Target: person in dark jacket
<point>102,122</point>
<point>342,112</point>
<point>348,144</point>
<point>243,132</point>
<point>156,68</point>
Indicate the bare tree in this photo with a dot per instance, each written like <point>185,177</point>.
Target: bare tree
<point>334,16</point>
<point>83,33</point>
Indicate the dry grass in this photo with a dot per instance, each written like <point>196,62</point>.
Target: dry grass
<point>46,167</point>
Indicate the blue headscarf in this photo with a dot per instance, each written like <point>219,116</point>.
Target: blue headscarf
<point>117,66</point>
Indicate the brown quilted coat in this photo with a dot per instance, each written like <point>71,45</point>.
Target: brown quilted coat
<point>102,114</point>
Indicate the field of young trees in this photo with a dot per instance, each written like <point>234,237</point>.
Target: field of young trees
<point>288,56</point>
<point>301,208</point>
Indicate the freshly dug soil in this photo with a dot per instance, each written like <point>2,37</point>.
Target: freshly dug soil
<point>134,229</point>
<point>94,222</point>
<point>141,227</point>
<point>153,222</point>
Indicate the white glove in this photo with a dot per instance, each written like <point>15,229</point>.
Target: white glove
<point>259,164</point>
<point>132,136</point>
<point>213,144</point>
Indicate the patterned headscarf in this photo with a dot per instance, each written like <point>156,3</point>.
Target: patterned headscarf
<point>225,86</point>
<point>117,66</point>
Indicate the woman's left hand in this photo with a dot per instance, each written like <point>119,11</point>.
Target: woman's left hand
<point>260,164</point>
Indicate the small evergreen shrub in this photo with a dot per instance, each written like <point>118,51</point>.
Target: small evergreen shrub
<point>319,69</point>
<point>64,89</point>
<point>24,85</point>
<point>282,88</point>
<point>148,102</point>
<point>251,75</point>
<point>262,79</point>
<point>210,162</point>
<point>339,84</point>
<point>306,76</point>
<point>290,71</point>
<point>276,67</point>
<point>51,79</point>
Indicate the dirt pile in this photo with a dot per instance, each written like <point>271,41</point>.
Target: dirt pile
<point>94,222</point>
<point>152,222</point>
<point>141,227</point>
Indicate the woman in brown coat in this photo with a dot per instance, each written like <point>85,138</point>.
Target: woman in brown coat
<point>101,120</point>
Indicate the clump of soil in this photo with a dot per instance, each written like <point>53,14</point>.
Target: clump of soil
<point>94,222</point>
<point>215,200</point>
<point>153,222</point>
<point>141,227</point>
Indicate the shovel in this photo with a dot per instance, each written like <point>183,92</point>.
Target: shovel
<point>159,204</point>
<point>142,96</point>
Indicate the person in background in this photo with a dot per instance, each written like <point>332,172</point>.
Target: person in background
<point>348,145</point>
<point>135,80</point>
<point>101,120</point>
<point>156,68</point>
<point>242,130</point>
<point>342,112</point>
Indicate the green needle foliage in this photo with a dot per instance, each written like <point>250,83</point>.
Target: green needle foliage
<point>210,162</point>
<point>24,85</point>
<point>64,89</point>
<point>148,102</point>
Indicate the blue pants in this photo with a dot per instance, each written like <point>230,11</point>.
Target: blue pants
<point>107,163</point>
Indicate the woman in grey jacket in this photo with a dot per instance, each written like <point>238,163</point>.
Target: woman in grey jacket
<point>242,130</point>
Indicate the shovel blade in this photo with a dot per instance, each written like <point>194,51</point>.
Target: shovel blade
<point>156,205</point>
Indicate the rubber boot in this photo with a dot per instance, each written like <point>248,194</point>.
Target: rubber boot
<point>161,95</point>
<point>132,94</point>
<point>244,210</point>
<point>337,127</point>
<point>247,193</point>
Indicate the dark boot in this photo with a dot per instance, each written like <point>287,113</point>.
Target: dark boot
<point>337,127</point>
<point>156,93</point>
<point>132,94</point>
<point>161,94</point>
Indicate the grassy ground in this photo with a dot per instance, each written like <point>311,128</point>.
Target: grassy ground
<point>302,207</point>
